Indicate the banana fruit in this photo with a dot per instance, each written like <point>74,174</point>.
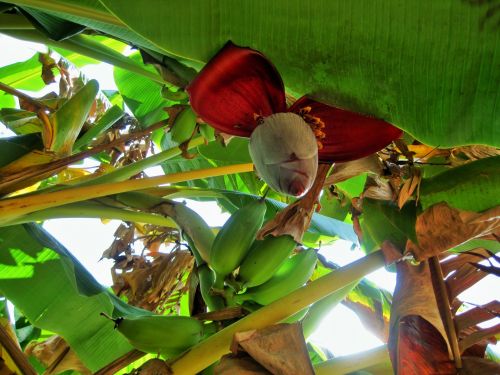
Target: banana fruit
<point>264,258</point>
<point>235,239</point>
<point>160,334</point>
<point>206,277</point>
<point>292,274</point>
<point>184,126</point>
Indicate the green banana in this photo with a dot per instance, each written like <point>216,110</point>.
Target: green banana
<point>184,125</point>
<point>235,239</point>
<point>292,274</point>
<point>160,334</point>
<point>264,259</point>
<point>206,278</point>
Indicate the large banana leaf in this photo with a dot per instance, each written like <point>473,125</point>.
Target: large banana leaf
<point>56,293</point>
<point>427,66</point>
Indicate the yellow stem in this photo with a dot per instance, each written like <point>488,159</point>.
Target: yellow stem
<point>354,362</point>
<point>210,350</point>
<point>14,207</point>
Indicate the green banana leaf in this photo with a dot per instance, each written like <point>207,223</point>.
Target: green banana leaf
<point>15,147</point>
<point>383,220</point>
<point>55,292</point>
<point>474,186</point>
<point>426,66</point>
<point>68,120</point>
<point>25,75</point>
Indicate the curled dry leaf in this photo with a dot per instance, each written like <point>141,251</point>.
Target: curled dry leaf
<point>417,342</point>
<point>344,171</point>
<point>240,364</point>
<point>441,227</point>
<point>378,188</point>
<point>479,366</point>
<point>124,235</point>
<point>157,285</point>
<point>280,349</point>
<point>409,187</point>
<point>474,152</point>
<point>56,355</point>
<point>296,217</point>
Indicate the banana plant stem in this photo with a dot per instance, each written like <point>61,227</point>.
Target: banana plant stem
<point>352,363</point>
<point>13,208</point>
<point>130,170</point>
<point>72,8</point>
<point>205,353</point>
<point>91,210</point>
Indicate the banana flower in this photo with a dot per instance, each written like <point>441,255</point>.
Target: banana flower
<point>240,92</point>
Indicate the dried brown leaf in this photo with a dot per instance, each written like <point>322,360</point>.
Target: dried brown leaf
<point>441,227</point>
<point>280,348</point>
<point>240,364</point>
<point>478,336</point>
<point>409,188</point>
<point>296,217</point>
<point>474,152</point>
<point>124,236</point>
<point>465,276</point>
<point>344,171</point>
<point>378,188</point>
<point>479,366</point>
<point>477,315</point>
<point>453,263</point>
<point>414,295</point>
<point>56,355</point>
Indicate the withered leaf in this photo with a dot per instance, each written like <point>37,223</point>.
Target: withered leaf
<point>441,227</point>
<point>280,348</point>
<point>479,366</point>
<point>296,217</point>
<point>344,171</point>
<point>409,188</point>
<point>417,338</point>
<point>56,355</point>
<point>241,364</point>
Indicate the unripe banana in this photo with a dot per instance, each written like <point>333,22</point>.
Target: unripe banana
<point>292,274</point>
<point>206,278</point>
<point>160,334</point>
<point>235,239</point>
<point>183,126</point>
<point>264,259</point>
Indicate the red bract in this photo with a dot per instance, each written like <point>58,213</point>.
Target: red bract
<point>240,87</point>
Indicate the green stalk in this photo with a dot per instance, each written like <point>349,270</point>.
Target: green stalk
<point>210,350</point>
<point>130,170</point>
<point>72,8</point>
<point>355,362</point>
<point>95,210</point>
<point>13,208</point>
<point>86,46</point>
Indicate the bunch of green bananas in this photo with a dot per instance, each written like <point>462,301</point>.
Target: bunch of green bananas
<point>263,269</point>
<point>235,238</point>
<point>291,275</point>
<point>160,334</point>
